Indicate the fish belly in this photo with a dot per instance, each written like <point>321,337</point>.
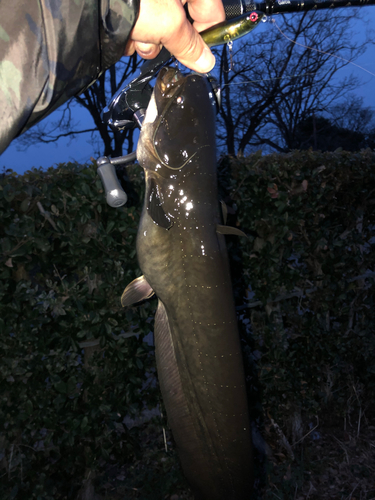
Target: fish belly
<point>198,355</point>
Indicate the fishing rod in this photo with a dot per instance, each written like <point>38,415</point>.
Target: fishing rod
<point>128,106</point>
<point>243,16</point>
<point>235,8</point>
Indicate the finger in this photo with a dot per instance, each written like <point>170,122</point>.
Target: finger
<point>189,48</point>
<point>206,13</point>
<point>129,48</point>
<point>202,26</point>
<point>147,50</point>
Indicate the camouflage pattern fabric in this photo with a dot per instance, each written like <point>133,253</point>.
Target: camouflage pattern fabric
<point>51,50</point>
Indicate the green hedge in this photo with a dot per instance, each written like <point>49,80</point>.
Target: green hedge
<point>310,264</point>
<point>65,259</point>
<point>72,365</point>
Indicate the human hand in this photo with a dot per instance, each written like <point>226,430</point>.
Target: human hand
<point>164,23</point>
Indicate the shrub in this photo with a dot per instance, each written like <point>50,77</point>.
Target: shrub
<point>309,263</point>
<point>72,360</point>
<point>73,363</point>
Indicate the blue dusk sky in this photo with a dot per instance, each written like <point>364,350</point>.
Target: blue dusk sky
<point>81,149</point>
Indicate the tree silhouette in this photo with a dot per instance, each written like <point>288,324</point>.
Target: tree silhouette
<point>349,125</point>
<point>94,99</point>
<point>273,83</point>
<point>278,80</point>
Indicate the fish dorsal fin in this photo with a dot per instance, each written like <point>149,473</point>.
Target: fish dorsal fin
<point>136,291</point>
<point>155,206</point>
<point>229,230</point>
<point>224,211</point>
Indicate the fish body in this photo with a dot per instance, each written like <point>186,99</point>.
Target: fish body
<point>184,262</point>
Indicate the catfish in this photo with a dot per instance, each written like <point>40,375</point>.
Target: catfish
<point>182,253</point>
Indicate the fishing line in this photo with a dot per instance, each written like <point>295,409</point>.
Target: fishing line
<point>267,79</point>
<point>269,19</point>
<point>321,51</point>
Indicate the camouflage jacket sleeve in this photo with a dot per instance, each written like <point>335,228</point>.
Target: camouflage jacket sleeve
<point>51,50</point>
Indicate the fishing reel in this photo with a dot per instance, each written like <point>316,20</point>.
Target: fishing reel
<point>127,110</point>
<point>128,106</point>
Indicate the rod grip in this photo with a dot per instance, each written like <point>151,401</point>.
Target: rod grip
<point>233,8</point>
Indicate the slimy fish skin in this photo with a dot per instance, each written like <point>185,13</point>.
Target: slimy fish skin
<point>181,251</point>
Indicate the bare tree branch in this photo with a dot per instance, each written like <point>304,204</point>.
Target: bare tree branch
<point>94,99</point>
<point>279,79</point>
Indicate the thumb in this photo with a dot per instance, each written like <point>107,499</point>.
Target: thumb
<point>189,48</point>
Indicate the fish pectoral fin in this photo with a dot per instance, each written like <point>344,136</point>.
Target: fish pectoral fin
<point>229,230</point>
<point>155,206</point>
<point>136,291</point>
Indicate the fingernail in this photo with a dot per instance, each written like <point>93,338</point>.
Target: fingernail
<point>206,61</point>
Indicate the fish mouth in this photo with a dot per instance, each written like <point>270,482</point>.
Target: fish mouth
<point>181,111</point>
<point>168,80</point>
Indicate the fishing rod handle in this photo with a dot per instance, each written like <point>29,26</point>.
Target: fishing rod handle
<point>235,8</point>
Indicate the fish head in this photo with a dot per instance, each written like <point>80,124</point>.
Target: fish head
<point>179,122</point>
